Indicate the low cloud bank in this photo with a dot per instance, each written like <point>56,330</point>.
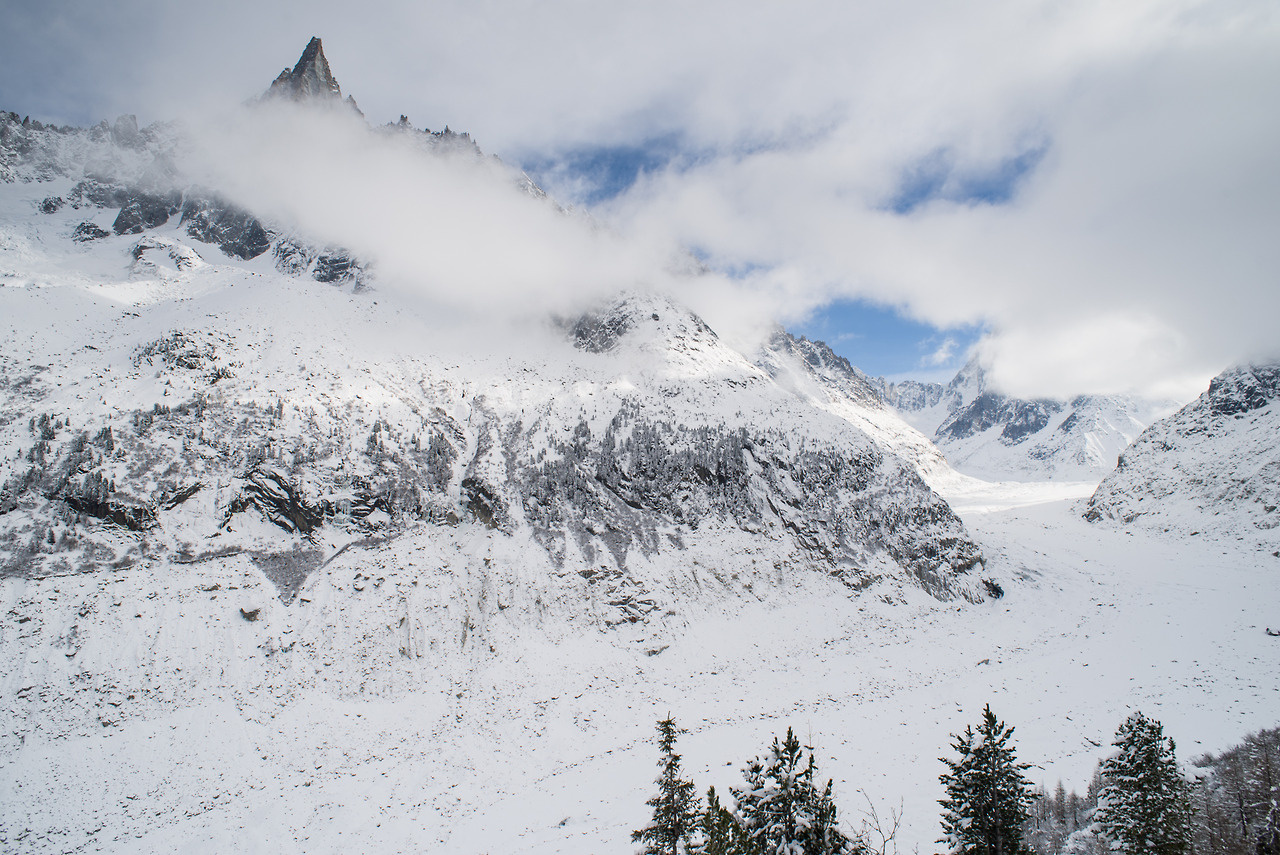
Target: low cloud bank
<point>449,226</point>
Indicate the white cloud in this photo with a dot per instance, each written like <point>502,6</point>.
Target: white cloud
<point>452,228</point>
<point>1139,254</point>
<point>942,354</point>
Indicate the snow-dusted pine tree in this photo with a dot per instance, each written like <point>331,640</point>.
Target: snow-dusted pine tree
<point>1269,836</point>
<point>721,834</point>
<point>987,795</point>
<point>782,812</point>
<point>1144,807</point>
<point>675,807</point>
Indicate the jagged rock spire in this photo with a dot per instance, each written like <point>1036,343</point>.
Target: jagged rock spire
<point>310,79</point>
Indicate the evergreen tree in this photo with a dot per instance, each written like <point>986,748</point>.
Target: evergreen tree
<point>987,795</point>
<point>782,812</point>
<point>721,834</point>
<point>1269,836</point>
<point>1144,807</point>
<point>675,807</point>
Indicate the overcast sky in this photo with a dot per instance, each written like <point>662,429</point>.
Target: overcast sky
<point>1092,186</point>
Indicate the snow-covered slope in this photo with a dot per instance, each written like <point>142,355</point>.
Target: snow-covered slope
<point>1212,466</point>
<point>160,401</point>
<point>817,375</point>
<point>401,704</point>
<point>620,436</point>
<point>991,435</point>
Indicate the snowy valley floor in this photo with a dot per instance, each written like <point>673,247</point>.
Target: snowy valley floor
<point>558,756</point>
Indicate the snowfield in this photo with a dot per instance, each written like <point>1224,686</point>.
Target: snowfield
<point>543,744</point>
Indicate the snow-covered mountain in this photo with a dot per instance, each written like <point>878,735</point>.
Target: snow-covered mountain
<point>1212,466</point>
<point>180,390</point>
<point>821,377</point>
<point>988,434</point>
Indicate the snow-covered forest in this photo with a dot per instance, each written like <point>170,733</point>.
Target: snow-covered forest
<point>1140,799</point>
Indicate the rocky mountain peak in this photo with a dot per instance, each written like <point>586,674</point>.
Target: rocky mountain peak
<point>309,79</point>
<point>1243,388</point>
<point>823,363</point>
<point>969,382</point>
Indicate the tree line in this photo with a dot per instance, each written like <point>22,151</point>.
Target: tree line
<point>1139,802</point>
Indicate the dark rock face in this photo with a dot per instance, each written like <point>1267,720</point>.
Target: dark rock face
<point>145,211</point>
<point>1026,418</point>
<point>329,266</point>
<point>129,516</point>
<point>335,268</point>
<point>51,205</point>
<point>911,395</point>
<point>825,363</point>
<point>1240,390</point>
<point>97,194</point>
<point>310,79</point>
<point>237,232</point>
<point>1020,418</point>
<point>291,257</point>
<point>279,500</point>
<point>623,487</point>
<point>599,332</point>
<point>87,231</point>
<point>483,503</point>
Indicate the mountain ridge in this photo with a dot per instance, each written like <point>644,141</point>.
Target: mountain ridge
<point>1213,466</point>
<point>987,434</point>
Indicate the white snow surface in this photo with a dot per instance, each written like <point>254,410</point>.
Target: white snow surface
<point>182,727</point>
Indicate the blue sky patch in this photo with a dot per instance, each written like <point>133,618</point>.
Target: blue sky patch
<point>936,176</point>
<point>603,172</point>
<point>884,343</point>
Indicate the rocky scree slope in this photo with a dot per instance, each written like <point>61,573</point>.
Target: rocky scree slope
<point>1213,466</point>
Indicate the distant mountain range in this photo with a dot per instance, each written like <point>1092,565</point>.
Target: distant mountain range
<point>994,436</point>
